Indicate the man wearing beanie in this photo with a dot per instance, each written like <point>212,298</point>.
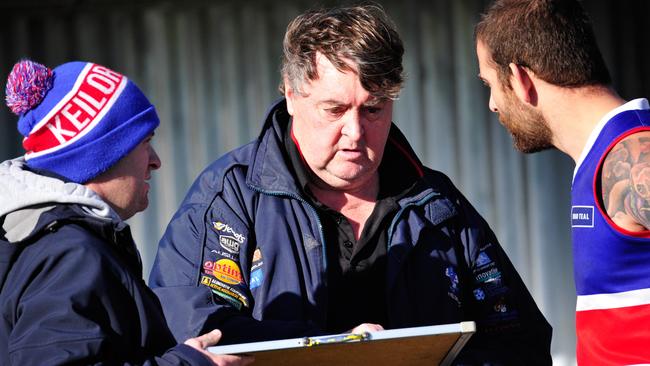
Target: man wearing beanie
<point>71,288</point>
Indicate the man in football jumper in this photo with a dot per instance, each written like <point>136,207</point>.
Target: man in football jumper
<point>550,88</point>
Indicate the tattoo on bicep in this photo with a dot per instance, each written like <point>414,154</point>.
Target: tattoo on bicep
<point>615,174</point>
<point>626,181</point>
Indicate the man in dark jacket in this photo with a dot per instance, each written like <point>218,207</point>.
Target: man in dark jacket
<point>328,222</point>
<point>70,274</point>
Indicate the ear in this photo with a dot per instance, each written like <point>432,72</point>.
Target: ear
<point>523,84</point>
<point>289,95</point>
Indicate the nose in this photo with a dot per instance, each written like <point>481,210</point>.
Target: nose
<point>492,105</point>
<point>352,127</point>
<point>154,160</point>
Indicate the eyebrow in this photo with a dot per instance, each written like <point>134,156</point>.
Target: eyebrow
<point>370,103</point>
<point>332,101</point>
<point>373,102</point>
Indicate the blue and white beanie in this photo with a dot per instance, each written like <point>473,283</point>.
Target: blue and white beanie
<point>78,119</point>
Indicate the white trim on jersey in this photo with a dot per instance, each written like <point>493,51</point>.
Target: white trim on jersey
<point>639,103</point>
<point>613,301</point>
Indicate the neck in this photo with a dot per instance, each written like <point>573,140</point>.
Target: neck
<point>572,114</point>
<point>340,199</point>
<point>355,204</point>
<point>105,194</point>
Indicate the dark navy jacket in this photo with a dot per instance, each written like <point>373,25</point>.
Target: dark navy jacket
<point>72,293</point>
<point>245,253</point>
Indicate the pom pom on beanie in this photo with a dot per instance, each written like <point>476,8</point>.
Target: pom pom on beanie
<point>27,85</point>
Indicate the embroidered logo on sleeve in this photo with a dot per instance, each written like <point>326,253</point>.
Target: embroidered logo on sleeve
<point>225,228</point>
<point>454,290</point>
<point>222,276</point>
<point>229,243</point>
<point>487,278</point>
<point>257,273</point>
<point>229,238</point>
<point>227,271</point>
<point>228,293</point>
<point>483,259</point>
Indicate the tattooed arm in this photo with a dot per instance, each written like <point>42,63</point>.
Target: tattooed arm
<point>625,179</point>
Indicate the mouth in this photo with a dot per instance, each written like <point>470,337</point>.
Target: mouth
<point>350,153</point>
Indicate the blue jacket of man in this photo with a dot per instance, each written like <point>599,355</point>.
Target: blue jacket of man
<point>245,253</point>
<point>71,287</point>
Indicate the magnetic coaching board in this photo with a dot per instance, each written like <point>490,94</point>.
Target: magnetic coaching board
<point>430,345</point>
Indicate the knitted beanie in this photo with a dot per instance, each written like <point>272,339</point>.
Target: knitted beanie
<point>78,119</point>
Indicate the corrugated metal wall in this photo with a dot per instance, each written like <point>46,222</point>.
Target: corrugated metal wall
<point>211,69</point>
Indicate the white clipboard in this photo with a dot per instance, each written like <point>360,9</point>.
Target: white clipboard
<point>429,345</point>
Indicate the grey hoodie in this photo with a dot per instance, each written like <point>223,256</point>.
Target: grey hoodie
<point>25,195</point>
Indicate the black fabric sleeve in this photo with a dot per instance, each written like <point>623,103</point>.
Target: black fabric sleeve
<point>511,330</point>
<point>75,309</point>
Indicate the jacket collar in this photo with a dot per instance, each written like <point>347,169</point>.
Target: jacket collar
<point>268,170</point>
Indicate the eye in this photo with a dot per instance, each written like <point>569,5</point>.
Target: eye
<point>373,112</point>
<point>148,139</point>
<point>335,112</point>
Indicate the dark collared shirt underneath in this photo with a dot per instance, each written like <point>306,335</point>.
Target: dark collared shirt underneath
<point>357,269</point>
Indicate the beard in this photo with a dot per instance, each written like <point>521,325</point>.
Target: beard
<point>529,130</point>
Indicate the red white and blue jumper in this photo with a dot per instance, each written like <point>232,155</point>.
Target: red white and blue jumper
<point>611,265</point>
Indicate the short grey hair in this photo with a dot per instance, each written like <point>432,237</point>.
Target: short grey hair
<point>362,34</point>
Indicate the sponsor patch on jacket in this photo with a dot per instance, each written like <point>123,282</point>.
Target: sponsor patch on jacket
<point>227,270</point>
<point>454,291</point>
<point>228,293</point>
<point>225,254</point>
<point>229,243</point>
<point>582,216</point>
<point>488,275</point>
<point>257,259</point>
<point>257,276</point>
<point>483,259</point>
<point>257,273</point>
<point>502,315</point>
<point>224,228</point>
<point>501,306</point>
<point>479,294</point>
<point>488,279</point>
